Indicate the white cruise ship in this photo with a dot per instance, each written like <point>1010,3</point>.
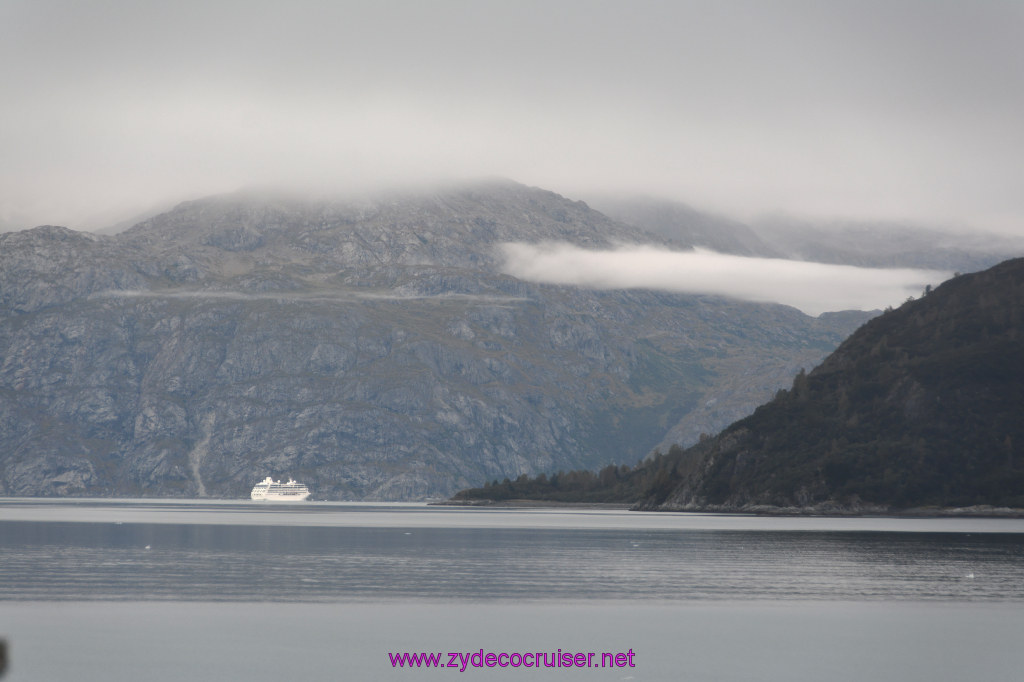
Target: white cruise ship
<point>275,491</point>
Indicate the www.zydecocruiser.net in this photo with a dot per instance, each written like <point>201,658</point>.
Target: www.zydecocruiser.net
<point>463,660</point>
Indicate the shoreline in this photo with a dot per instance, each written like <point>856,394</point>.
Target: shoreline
<point>532,504</point>
<point>975,511</point>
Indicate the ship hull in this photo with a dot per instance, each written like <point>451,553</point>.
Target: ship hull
<point>280,498</point>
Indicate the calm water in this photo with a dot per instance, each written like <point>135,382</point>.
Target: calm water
<point>101,590</point>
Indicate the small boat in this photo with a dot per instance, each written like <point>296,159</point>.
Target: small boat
<point>274,491</point>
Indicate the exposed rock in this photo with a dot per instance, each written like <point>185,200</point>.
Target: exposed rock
<point>369,348</point>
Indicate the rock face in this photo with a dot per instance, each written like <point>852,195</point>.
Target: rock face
<point>371,349</point>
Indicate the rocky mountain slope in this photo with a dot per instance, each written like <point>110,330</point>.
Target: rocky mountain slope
<point>371,348</point>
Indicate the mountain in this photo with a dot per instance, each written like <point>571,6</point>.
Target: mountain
<point>370,347</point>
<point>686,225</point>
<point>919,407</point>
<point>886,245</point>
<point>865,244</point>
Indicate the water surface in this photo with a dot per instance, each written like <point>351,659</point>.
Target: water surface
<point>170,590</point>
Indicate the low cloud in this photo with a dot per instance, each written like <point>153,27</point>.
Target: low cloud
<point>814,288</point>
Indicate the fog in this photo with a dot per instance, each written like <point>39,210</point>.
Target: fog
<point>814,288</point>
<point>875,109</point>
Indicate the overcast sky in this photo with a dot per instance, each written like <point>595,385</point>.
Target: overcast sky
<point>863,109</point>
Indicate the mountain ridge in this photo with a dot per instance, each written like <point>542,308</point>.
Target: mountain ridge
<point>917,410</point>
<point>373,350</point>
<point>874,244</point>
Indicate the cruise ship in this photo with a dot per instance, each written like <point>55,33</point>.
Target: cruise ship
<point>275,491</point>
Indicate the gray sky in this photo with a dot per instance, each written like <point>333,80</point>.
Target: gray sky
<point>872,109</point>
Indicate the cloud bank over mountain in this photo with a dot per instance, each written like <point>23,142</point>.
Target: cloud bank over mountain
<point>813,288</point>
<point>864,110</point>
